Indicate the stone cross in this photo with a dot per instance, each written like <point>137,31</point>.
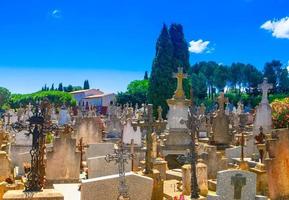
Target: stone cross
<point>150,126</point>
<point>80,148</point>
<point>265,87</point>
<point>179,93</point>
<point>221,101</point>
<point>121,157</point>
<point>238,181</point>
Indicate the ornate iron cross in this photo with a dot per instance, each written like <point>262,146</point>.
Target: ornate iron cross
<point>150,126</point>
<point>192,123</point>
<point>121,157</point>
<point>35,176</point>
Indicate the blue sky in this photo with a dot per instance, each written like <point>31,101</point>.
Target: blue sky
<point>112,42</point>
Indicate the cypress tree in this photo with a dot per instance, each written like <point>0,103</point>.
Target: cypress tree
<point>60,87</point>
<point>146,77</point>
<point>86,85</point>
<point>161,82</point>
<point>180,53</point>
<point>52,87</point>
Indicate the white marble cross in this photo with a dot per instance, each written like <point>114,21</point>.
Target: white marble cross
<point>265,87</point>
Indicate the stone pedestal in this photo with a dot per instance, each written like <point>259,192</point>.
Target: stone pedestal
<point>158,185</point>
<point>5,166</point>
<point>48,194</point>
<point>262,179</point>
<point>162,166</point>
<point>4,187</point>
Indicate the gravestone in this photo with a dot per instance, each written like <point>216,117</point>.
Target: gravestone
<point>98,167</point>
<point>63,163</point>
<point>90,129</point>
<point>236,185</point>
<point>139,187</point>
<point>177,139</point>
<point>5,166</point>
<point>129,133</point>
<point>278,164</point>
<point>264,112</point>
<point>220,127</point>
<point>64,116</point>
<point>99,149</point>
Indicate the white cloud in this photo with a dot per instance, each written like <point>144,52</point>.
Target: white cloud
<point>200,46</point>
<point>56,14</point>
<point>279,28</point>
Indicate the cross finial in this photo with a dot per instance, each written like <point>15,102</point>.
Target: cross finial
<point>179,93</point>
<point>265,87</point>
<point>221,101</point>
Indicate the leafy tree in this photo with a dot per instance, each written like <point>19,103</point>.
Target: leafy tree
<point>56,97</point>
<point>272,70</point>
<point>4,96</point>
<point>60,87</point>
<point>136,93</point>
<point>284,81</point>
<point>161,82</point>
<point>69,88</point>
<point>146,77</point>
<point>220,77</point>
<point>86,85</point>
<point>199,86</point>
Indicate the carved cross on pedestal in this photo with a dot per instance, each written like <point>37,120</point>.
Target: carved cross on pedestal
<point>121,157</point>
<point>150,126</point>
<point>265,87</point>
<point>179,93</point>
<point>81,146</point>
<point>238,181</point>
<point>221,101</point>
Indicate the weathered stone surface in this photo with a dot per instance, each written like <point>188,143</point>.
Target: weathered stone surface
<point>99,149</point>
<point>97,167</point>
<point>90,129</point>
<point>129,133</point>
<point>48,194</point>
<point>63,163</point>
<point>221,129</point>
<point>140,187</point>
<point>5,166</point>
<point>236,184</point>
<point>214,160</point>
<point>278,165</point>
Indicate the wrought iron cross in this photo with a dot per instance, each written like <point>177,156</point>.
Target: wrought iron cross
<point>150,126</point>
<point>192,123</point>
<point>121,157</point>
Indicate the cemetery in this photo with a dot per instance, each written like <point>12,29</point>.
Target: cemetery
<point>205,131</point>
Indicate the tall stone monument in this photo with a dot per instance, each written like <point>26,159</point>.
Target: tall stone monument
<point>264,112</point>
<point>177,137</point>
<point>222,136</point>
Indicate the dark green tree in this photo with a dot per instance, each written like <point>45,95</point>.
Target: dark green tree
<point>180,53</point>
<point>69,88</point>
<point>146,77</point>
<point>272,71</point>
<point>60,87</point>
<point>4,96</point>
<point>161,82</point>
<point>220,77</point>
<point>284,81</point>
<point>52,87</point>
<point>199,85</point>
<point>86,85</point>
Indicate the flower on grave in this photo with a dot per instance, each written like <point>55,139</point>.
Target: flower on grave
<point>280,113</point>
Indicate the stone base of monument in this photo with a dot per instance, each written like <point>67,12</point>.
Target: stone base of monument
<point>162,166</point>
<point>158,185</point>
<point>262,179</point>
<point>47,194</point>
